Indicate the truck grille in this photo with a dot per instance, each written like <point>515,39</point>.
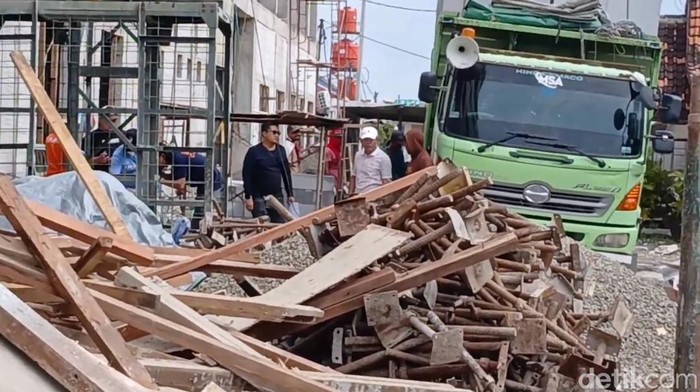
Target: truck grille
<point>563,202</point>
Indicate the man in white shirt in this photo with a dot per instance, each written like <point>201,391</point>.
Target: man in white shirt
<point>372,166</point>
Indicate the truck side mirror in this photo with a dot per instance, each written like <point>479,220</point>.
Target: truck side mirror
<point>426,90</point>
<point>670,109</point>
<point>662,142</point>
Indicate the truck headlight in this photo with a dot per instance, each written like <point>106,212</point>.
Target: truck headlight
<point>612,240</point>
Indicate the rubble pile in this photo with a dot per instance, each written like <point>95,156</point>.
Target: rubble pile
<point>485,292</point>
<point>419,285</point>
<point>649,349</point>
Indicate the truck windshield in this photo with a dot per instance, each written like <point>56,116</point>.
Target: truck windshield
<point>488,102</point>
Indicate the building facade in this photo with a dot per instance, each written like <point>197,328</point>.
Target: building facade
<point>268,35</point>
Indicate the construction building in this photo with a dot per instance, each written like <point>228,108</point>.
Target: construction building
<point>174,70</point>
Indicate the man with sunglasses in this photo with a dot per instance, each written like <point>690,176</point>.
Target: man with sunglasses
<point>265,169</point>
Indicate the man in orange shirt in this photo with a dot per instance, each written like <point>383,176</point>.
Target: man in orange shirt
<point>56,159</point>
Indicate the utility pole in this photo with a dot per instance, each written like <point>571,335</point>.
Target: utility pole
<point>687,359</point>
<point>362,48</point>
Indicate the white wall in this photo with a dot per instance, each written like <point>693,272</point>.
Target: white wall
<point>261,58</point>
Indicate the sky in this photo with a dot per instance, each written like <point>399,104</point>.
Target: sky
<point>392,73</point>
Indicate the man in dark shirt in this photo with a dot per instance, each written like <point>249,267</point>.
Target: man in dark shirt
<point>100,143</point>
<point>189,169</point>
<point>265,169</point>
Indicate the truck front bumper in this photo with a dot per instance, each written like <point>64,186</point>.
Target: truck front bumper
<point>617,243</point>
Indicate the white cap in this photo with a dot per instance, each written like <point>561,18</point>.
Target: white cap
<point>369,133</point>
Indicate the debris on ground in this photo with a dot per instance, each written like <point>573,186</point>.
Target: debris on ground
<point>422,284</point>
<point>422,279</point>
<point>649,349</point>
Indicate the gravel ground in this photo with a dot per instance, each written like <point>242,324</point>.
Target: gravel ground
<point>649,349</point>
<point>293,252</point>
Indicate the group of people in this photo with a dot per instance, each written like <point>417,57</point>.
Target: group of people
<point>105,151</point>
<point>268,166</point>
<point>374,167</point>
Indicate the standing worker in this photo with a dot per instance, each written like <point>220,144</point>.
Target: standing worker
<point>420,159</point>
<point>100,143</point>
<point>397,154</point>
<point>291,146</point>
<point>372,166</point>
<point>265,169</point>
<point>56,159</point>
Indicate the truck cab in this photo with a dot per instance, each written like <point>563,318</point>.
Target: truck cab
<point>559,119</point>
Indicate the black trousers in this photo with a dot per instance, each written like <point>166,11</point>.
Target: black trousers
<point>261,208</point>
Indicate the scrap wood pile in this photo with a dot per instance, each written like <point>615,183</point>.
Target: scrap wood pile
<point>441,285</point>
<point>419,282</point>
<point>222,231</point>
<point>81,305</point>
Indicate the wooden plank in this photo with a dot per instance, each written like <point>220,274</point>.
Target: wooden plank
<point>17,272</point>
<point>258,371</point>
<point>190,252</point>
<point>352,383</point>
<point>172,309</point>
<point>235,268</point>
<point>281,230</point>
<point>351,257</point>
<point>353,288</point>
<point>70,147</point>
<point>186,375</point>
<point>496,246</point>
<point>92,257</point>
<point>32,294</point>
<point>212,304</point>
<point>63,359</point>
<point>85,232</point>
<point>68,284</point>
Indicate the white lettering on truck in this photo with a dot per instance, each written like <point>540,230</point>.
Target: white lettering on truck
<point>548,79</point>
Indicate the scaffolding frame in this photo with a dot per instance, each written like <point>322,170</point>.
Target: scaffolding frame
<point>154,21</point>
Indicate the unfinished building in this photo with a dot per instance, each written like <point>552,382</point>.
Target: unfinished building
<point>174,70</point>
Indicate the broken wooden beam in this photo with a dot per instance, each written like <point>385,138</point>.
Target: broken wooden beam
<point>70,147</point>
<point>68,284</point>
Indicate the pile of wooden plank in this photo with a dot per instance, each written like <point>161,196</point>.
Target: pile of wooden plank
<point>222,231</point>
<point>420,284</point>
<point>434,282</point>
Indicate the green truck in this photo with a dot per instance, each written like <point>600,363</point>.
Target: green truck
<point>558,113</point>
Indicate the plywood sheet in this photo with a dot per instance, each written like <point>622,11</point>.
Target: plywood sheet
<point>346,260</point>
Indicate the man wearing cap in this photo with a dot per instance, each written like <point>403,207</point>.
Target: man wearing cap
<point>291,145</point>
<point>100,143</point>
<point>372,166</point>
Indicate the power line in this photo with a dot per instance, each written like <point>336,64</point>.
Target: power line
<point>399,7</point>
<point>396,48</point>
